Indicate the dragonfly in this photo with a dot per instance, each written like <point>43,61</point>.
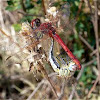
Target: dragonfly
<point>64,69</point>
<point>33,33</point>
<point>47,28</point>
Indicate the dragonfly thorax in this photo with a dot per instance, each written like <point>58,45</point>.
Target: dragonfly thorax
<point>48,26</point>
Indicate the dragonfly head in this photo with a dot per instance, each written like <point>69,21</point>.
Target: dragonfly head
<point>35,23</point>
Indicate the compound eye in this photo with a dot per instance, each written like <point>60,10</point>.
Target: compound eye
<point>37,19</point>
<point>38,22</point>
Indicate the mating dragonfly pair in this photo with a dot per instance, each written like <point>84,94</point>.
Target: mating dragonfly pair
<point>34,33</point>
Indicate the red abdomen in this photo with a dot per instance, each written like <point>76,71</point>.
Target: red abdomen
<point>59,40</point>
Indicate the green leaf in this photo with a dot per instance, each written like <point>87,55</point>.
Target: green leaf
<point>76,3</point>
<point>79,53</point>
<point>26,18</point>
<point>95,62</point>
<point>81,25</point>
<point>10,8</point>
<point>17,27</point>
<point>10,2</point>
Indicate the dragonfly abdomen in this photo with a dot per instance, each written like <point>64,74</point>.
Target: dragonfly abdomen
<point>62,70</point>
<point>52,59</point>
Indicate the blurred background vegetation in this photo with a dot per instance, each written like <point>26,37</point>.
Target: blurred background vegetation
<point>17,83</point>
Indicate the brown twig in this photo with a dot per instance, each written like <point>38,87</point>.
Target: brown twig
<point>78,77</point>
<point>62,90</point>
<point>87,64</point>
<point>8,37</point>
<point>44,9</point>
<point>93,87</point>
<point>5,33</point>
<point>79,8</point>
<point>24,13</point>
<point>95,25</point>
<point>89,5</point>
<point>86,43</point>
<point>46,76</point>
<point>27,14</point>
<point>96,34</point>
<point>80,73</point>
<point>38,86</point>
<point>94,52</point>
<point>76,94</point>
<point>73,91</point>
<point>23,6</point>
<point>32,94</point>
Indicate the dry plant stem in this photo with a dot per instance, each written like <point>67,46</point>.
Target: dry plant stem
<point>73,91</point>
<point>89,5</point>
<point>96,34</point>
<point>93,87</point>
<point>78,77</point>
<point>26,14</point>
<point>46,76</point>
<point>94,52</point>
<point>95,25</point>
<point>79,8</point>
<point>80,73</point>
<point>90,10</point>
<point>86,43</point>
<point>43,4</point>
<point>62,90</point>
<point>77,96</point>
<point>23,6</point>
<point>5,33</point>
<point>38,86</point>
<point>32,94</point>
<point>27,82</point>
<point>8,37</point>
<point>11,17</point>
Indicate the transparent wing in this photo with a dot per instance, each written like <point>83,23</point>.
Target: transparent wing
<point>67,22</point>
<point>61,18</point>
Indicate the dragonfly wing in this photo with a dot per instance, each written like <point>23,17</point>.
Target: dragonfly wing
<point>61,19</point>
<point>66,22</point>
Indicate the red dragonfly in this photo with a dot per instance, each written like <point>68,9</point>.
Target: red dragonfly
<point>48,29</point>
<point>34,33</point>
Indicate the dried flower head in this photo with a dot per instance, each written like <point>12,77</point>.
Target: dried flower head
<point>47,20</point>
<point>52,11</point>
<point>26,29</point>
